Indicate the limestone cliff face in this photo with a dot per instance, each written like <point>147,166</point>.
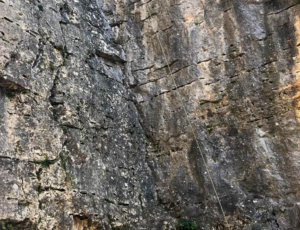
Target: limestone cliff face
<point>93,132</point>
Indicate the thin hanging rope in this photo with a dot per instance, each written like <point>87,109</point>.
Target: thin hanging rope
<point>187,119</point>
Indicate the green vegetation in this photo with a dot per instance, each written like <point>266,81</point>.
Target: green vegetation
<point>64,53</point>
<point>209,128</point>
<point>63,161</point>
<point>52,67</point>
<point>62,126</point>
<point>187,225</point>
<point>41,8</point>
<point>24,203</point>
<point>68,177</point>
<point>39,189</point>
<point>109,201</point>
<point>4,226</point>
<point>39,174</point>
<point>46,162</point>
<point>11,94</point>
<point>116,228</point>
<point>64,61</point>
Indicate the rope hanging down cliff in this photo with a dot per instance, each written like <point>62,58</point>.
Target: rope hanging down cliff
<point>187,119</point>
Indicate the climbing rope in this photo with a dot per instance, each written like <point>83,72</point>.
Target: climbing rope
<point>187,119</point>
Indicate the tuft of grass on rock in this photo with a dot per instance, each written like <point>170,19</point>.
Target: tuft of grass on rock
<point>187,225</point>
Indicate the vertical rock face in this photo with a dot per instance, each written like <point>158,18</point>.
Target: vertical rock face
<point>95,134</point>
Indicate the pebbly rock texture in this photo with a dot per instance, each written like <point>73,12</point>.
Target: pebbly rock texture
<point>94,133</point>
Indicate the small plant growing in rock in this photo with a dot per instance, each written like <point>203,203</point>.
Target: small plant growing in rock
<point>46,162</point>
<point>52,67</point>
<point>10,94</point>
<point>209,129</point>
<point>39,190</point>
<point>24,203</point>
<point>64,53</point>
<point>41,8</point>
<point>3,225</point>
<point>63,161</point>
<point>187,225</point>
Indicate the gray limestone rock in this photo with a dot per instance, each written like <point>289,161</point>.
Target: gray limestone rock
<point>96,133</point>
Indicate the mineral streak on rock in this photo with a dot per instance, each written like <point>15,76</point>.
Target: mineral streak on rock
<point>93,133</point>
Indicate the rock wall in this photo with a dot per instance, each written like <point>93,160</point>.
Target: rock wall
<point>94,133</point>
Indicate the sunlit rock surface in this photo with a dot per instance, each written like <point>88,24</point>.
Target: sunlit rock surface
<point>94,133</point>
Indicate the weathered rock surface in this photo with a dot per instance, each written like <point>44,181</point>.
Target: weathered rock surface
<point>94,134</point>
